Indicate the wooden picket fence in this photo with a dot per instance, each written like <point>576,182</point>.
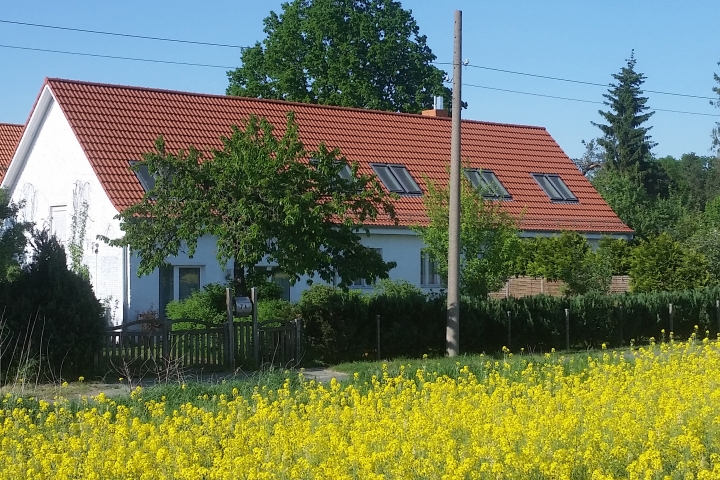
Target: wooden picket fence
<point>153,345</point>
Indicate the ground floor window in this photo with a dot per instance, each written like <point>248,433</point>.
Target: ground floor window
<point>177,283</point>
<point>429,277</point>
<point>281,279</point>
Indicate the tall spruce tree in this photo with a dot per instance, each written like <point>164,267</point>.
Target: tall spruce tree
<point>625,140</point>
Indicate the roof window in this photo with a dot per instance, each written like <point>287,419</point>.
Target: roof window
<point>143,175</point>
<point>345,172</point>
<point>396,178</point>
<point>554,187</point>
<point>488,183</point>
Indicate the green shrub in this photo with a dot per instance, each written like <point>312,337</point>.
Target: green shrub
<point>336,323</point>
<point>277,310</point>
<point>663,264</point>
<point>51,313</point>
<point>207,305</point>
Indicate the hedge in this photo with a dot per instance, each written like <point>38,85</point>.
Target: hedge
<point>341,326</point>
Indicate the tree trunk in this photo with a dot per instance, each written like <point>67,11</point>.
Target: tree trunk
<point>239,281</point>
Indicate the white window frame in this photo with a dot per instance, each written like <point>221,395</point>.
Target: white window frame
<point>429,276</point>
<point>55,210</point>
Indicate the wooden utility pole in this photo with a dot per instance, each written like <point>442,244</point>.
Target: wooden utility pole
<point>452,334</point>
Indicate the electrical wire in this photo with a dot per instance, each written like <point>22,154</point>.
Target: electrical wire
<point>568,80</point>
<point>127,35</point>
<point>114,57</point>
<point>579,100</point>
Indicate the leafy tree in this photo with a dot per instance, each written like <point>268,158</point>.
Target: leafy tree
<point>617,252</point>
<point>568,257</point>
<point>261,199</point>
<point>351,53</point>
<point>707,242</point>
<point>12,237</point>
<point>488,238</point>
<point>625,141</point>
<point>664,264</point>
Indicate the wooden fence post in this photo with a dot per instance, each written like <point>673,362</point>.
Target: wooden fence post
<point>256,327</point>
<point>509,329</point>
<point>166,329</point>
<point>672,317</point>
<point>567,329</point>
<point>377,322</point>
<point>298,339</point>
<point>230,341</point>
<point>622,340</point>
<point>717,313</point>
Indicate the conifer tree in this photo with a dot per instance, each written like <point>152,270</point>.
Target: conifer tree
<point>625,140</point>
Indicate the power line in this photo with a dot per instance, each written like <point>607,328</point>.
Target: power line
<point>114,57</point>
<point>568,80</point>
<point>580,100</point>
<point>127,35</point>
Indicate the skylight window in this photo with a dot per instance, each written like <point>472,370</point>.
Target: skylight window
<point>554,187</point>
<point>146,180</point>
<point>396,178</point>
<point>488,182</point>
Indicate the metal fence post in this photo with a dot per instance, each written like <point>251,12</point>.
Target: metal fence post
<point>622,340</point>
<point>256,327</point>
<point>567,329</point>
<point>377,321</point>
<point>672,317</point>
<point>717,314</point>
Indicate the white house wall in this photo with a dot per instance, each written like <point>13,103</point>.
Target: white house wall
<point>146,289</point>
<point>54,164</point>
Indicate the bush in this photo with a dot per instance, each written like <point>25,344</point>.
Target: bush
<point>663,264</point>
<point>52,312</point>
<point>277,310</point>
<point>207,305</point>
<point>336,323</point>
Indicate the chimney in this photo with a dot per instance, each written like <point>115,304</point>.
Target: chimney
<point>437,110</point>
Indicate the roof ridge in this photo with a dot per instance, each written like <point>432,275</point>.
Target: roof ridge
<point>284,102</point>
<point>7,124</point>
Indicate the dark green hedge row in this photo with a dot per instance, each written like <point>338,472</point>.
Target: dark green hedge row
<point>341,326</point>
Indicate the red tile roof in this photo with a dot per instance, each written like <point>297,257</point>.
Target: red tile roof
<point>115,124</point>
<point>9,137</point>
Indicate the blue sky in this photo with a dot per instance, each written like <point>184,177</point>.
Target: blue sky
<point>677,45</point>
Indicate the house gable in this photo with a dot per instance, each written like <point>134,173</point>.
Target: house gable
<point>51,174</point>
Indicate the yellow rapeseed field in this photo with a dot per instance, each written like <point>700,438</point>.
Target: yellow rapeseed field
<point>649,413</point>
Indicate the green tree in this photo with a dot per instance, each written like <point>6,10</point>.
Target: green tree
<point>617,252</point>
<point>12,237</point>
<point>261,199</point>
<point>664,264</point>
<point>488,238</point>
<point>351,53</point>
<point>625,141</point>
<point>568,257</point>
